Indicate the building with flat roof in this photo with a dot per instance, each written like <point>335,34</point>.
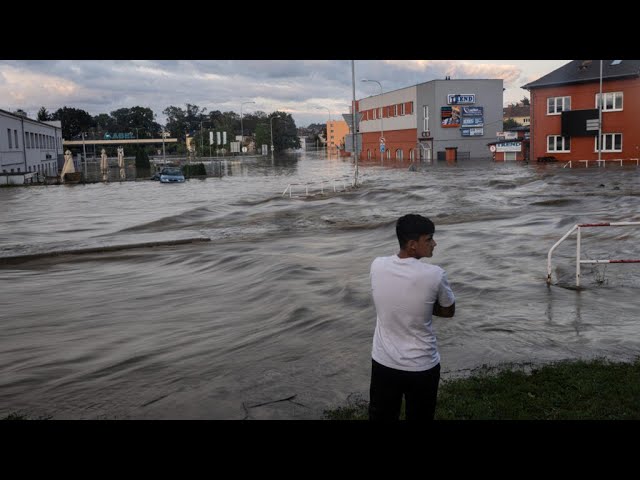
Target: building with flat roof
<point>427,120</point>
<point>28,147</point>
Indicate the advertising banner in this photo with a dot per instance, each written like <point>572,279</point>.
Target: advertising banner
<point>472,132</point>
<point>450,117</point>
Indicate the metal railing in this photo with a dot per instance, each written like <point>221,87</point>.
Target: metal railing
<point>578,227</point>
<point>602,163</point>
<point>318,186</point>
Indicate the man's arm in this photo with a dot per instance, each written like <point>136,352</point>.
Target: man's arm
<point>440,311</point>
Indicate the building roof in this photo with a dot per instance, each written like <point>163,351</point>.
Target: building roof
<point>584,71</point>
<point>516,111</point>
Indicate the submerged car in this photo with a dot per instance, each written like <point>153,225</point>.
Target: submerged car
<point>171,175</point>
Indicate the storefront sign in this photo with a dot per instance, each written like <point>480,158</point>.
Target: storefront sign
<point>461,99</point>
<point>509,147</point>
<point>472,132</point>
<point>471,111</point>
<point>472,121</point>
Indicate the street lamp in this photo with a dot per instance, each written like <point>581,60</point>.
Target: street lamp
<point>381,113</point>
<point>84,154</point>
<point>328,125</point>
<point>271,122</point>
<point>242,127</point>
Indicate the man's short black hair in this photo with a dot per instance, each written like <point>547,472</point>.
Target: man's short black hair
<point>411,227</point>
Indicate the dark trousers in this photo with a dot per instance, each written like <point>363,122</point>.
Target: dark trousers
<point>388,385</point>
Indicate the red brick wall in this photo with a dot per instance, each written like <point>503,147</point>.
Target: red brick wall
<point>394,139</point>
<point>583,98</point>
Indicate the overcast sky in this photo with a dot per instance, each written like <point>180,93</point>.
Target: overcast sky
<point>308,90</point>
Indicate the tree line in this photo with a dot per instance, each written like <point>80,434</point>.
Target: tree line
<point>192,121</point>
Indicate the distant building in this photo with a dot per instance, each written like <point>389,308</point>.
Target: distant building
<point>427,120</point>
<point>336,131</point>
<point>520,114</point>
<point>28,147</point>
<point>565,113</point>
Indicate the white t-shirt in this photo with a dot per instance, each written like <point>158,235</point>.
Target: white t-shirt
<point>404,291</point>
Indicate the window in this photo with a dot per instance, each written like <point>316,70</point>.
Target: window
<point>509,156</point>
<point>375,113</point>
<point>9,137</point>
<point>557,143</point>
<point>395,110</point>
<point>612,101</point>
<point>399,154</point>
<point>15,134</point>
<point>611,142</point>
<point>368,154</point>
<point>557,105</point>
<point>27,144</point>
<point>402,109</point>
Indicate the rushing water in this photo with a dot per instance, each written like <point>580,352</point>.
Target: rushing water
<point>273,318</point>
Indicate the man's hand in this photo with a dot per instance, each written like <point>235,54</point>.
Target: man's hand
<point>440,311</point>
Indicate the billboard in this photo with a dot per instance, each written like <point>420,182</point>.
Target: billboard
<point>472,132</point>
<point>450,117</point>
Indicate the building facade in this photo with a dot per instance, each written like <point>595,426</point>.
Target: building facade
<point>28,147</point>
<point>425,120</point>
<point>565,112</point>
<point>336,131</point>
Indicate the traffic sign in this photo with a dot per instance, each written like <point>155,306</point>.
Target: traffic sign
<point>382,140</point>
<point>382,148</point>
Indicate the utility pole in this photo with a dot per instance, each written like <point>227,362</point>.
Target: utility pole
<point>84,154</point>
<point>600,118</point>
<point>353,122</point>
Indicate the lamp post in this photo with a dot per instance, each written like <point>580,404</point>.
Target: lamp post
<point>242,127</point>
<point>272,147</point>
<point>328,125</point>
<point>600,99</point>
<point>381,113</point>
<point>164,159</point>
<point>84,154</point>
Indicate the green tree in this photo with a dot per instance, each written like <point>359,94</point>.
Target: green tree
<point>285,132</point>
<point>43,115</point>
<point>509,123</point>
<point>74,121</point>
<point>143,166</point>
<point>263,134</point>
<point>138,121</point>
<point>525,101</point>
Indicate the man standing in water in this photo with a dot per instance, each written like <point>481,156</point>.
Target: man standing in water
<point>407,293</point>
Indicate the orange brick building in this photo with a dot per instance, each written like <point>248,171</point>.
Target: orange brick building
<point>564,112</point>
<point>336,131</point>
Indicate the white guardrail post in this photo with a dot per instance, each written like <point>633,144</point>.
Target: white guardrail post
<point>578,227</point>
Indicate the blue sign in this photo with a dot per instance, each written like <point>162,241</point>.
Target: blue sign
<point>472,121</point>
<point>382,148</point>
<point>118,136</point>
<point>460,99</point>
<point>472,132</point>
<point>471,111</point>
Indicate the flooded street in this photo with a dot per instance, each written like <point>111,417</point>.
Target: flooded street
<point>272,318</point>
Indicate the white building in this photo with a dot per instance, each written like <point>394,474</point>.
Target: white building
<point>28,147</point>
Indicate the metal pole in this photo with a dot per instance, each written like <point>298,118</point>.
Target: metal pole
<point>600,119</point>
<point>381,107</point>
<point>84,153</point>
<point>353,121</point>
<point>242,128</point>
<point>201,141</point>
<point>271,121</point>
<point>164,159</point>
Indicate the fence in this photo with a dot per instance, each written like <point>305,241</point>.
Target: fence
<point>318,187</point>
<point>578,227</point>
<point>602,163</point>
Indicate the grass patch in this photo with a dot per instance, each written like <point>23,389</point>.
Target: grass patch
<point>569,390</point>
